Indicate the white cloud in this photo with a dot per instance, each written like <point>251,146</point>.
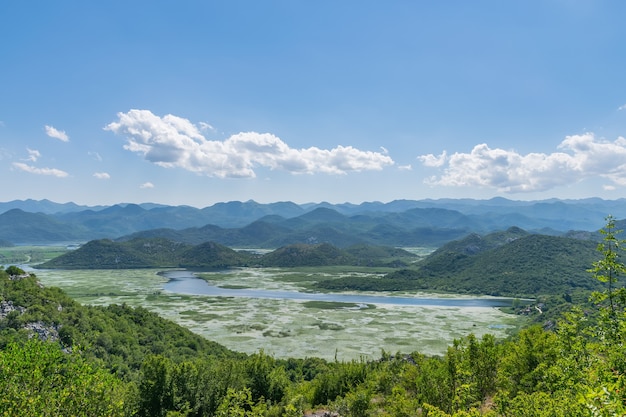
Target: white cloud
<point>431,160</point>
<point>57,134</point>
<point>405,167</point>
<point>622,107</point>
<point>40,171</point>
<point>578,157</point>
<point>102,175</point>
<point>171,141</point>
<point>146,185</point>
<point>33,155</point>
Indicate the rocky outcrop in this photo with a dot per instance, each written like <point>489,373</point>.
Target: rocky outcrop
<point>43,331</point>
<point>38,328</point>
<point>7,306</point>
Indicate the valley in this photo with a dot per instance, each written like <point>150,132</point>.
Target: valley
<point>310,325</point>
<point>289,327</point>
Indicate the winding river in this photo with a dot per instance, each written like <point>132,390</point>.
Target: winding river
<point>186,282</point>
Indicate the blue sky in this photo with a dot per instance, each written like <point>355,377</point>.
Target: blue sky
<point>197,102</point>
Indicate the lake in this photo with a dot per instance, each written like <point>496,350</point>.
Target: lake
<point>269,309</point>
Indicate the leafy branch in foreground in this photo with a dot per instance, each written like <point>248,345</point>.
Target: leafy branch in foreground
<point>607,270</point>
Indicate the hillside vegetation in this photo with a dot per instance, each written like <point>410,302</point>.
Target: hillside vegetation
<point>164,253</point>
<point>507,263</point>
<point>512,263</point>
<point>59,358</point>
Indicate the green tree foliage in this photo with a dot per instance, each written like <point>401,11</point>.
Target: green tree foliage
<point>337,381</point>
<point>38,379</point>
<point>162,253</point>
<point>14,270</point>
<point>607,270</point>
<point>608,397</point>
<point>524,265</point>
<point>191,388</point>
<point>266,379</point>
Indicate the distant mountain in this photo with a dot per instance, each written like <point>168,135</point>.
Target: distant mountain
<point>18,226</point>
<point>41,206</point>
<point>399,222</point>
<point>417,227</point>
<point>238,214</point>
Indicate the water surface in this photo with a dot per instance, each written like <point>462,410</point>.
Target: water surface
<point>186,282</point>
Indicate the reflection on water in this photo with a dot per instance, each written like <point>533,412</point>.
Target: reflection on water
<point>185,282</point>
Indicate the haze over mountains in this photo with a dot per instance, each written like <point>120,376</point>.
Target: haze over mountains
<point>252,224</point>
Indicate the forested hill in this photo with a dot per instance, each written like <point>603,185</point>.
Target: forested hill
<point>512,263</point>
<point>119,336</point>
<point>164,253</point>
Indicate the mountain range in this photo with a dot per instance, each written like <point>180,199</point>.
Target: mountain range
<point>252,224</point>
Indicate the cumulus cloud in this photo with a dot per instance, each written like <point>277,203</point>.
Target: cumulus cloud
<point>40,171</point>
<point>102,175</point>
<point>578,157</point>
<point>57,134</point>
<point>146,185</point>
<point>431,160</point>
<point>173,142</point>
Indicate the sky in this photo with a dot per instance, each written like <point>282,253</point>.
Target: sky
<point>199,102</point>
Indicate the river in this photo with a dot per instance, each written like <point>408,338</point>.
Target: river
<point>186,282</point>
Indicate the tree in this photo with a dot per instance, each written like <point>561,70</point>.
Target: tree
<point>608,396</point>
<point>607,270</point>
<point>155,387</point>
<point>37,379</point>
<point>14,270</point>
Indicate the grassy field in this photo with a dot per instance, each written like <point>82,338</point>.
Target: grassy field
<point>29,254</point>
<point>283,327</point>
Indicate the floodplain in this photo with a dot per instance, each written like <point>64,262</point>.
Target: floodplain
<point>286,326</point>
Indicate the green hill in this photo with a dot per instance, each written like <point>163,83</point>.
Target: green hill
<point>368,255</point>
<point>511,263</point>
<point>212,255</point>
<point>118,335</point>
<point>322,254</point>
<point>107,254</point>
<point>164,253</point>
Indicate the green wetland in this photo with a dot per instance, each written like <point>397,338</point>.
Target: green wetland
<point>248,320</point>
